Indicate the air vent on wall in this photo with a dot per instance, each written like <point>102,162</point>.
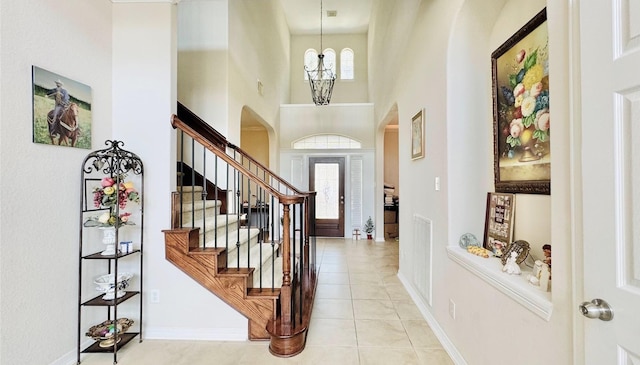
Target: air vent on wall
<point>332,13</point>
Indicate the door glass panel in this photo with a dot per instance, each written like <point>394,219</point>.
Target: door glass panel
<point>326,186</point>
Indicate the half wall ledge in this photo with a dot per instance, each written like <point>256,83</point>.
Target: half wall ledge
<point>514,286</point>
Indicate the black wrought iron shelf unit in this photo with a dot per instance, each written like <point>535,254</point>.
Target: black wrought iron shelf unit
<point>111,201</point>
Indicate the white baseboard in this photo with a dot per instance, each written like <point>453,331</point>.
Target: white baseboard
<point>169,333</point>
<point>451,349</point>
<point>196,334</point>
<point>70,358</point>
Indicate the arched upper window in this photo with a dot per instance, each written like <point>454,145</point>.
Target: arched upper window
<point>330,59</point>
<point>346,64</point>
<point>326,141</point>
<point>310,61</point>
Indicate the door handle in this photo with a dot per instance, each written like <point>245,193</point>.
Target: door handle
<point>596,308</point>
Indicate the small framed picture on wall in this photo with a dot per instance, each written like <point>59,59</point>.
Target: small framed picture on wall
<point>417,136</point>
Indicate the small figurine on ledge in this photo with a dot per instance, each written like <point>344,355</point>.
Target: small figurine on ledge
<point>547,254</point>
<point>534,278</point>
<point>498,249</point>
<point>545,278</point>
<point>512,267</point>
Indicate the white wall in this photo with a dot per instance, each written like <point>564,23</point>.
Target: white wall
<point>258,50</point>
<point>225,47</point>
<point>41,183</point>
<point>350,120</point>
<point>186,309</point>
<point>203,60</point>
<point>459,36</point>
<point>344,91</point>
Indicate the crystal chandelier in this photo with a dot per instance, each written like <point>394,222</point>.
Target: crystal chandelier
<point>321,79</point>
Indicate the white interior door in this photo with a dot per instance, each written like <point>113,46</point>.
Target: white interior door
<point>610,66</point>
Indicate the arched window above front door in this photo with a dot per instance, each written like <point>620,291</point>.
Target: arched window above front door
<point>326,141</point>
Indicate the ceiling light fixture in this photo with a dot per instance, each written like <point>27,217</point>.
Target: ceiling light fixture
<point>321,79</point>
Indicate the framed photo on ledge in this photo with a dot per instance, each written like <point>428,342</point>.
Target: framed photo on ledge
<point>521,118</point>
<point>498,226</point>
<point>417,136</point>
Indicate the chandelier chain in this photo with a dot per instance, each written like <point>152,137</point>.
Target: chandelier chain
<point>321,79</point>
<point>321,51</point>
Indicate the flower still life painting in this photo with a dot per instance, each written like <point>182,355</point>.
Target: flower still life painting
<point>522,155</point>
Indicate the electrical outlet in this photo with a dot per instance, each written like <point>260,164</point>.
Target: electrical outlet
<point>452,309</point>
<point>436,183</point>
<point>155,296</point>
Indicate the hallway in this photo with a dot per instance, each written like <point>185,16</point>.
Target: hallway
<point>362,315</point>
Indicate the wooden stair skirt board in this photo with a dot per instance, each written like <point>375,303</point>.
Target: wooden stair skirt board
<point>233,286</point>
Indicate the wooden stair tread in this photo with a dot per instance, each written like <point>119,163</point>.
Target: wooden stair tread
<point>206,251</point>
<point>243,271</point>
<point>263,293</point>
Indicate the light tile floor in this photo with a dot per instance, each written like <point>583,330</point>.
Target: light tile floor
<point>362,315</point>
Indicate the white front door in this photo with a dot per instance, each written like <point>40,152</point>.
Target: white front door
<point>610,162</point>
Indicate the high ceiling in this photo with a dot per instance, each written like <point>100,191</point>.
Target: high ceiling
<point>303,16</point>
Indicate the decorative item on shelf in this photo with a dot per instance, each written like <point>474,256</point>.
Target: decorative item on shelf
<point>106,284</point>
<point>368,228</point>
<point>109,239</point>
<point>511,267</point>
<point>108,333</point>
<point>113,196</point>
<point>467,240</point>
<point>541,276</point>
<point>520,247</point>
<point>126,246</point>
<point>546,249</point>
<point>321,78</point>
<point>534,277</point>
<point>479,251</point>
<point>498,225</point>
<point>545,278</point>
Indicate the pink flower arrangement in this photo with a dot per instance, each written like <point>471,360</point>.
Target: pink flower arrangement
<point>107,195</point>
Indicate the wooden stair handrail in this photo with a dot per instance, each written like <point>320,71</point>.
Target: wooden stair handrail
<point>271,173</point>
<point>212,135</point>
<point>199,125</point>
<point>201,137</point>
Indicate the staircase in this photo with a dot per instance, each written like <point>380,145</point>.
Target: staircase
<point>245,234</point>
<point>227,230</point>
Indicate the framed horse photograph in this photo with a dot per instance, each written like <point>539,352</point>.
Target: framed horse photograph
<point>61,110</point>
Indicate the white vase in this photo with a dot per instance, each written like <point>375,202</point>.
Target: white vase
<point>109,239</point>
